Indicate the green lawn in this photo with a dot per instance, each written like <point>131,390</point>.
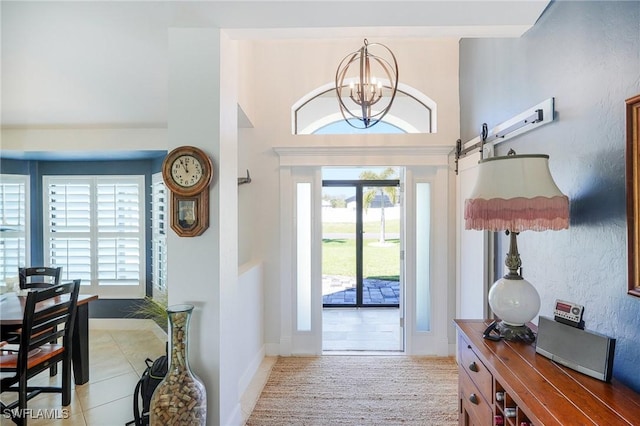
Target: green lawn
<point>339,258</point>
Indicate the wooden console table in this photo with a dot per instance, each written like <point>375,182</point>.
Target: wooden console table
<point>531,389</point>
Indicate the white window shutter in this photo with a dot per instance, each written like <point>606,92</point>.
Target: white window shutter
<point>13,224</point>
<point>94,229</point>
<point>159,223</point>
<point>67,226</point>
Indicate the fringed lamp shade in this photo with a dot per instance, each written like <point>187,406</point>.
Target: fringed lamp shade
<point>516,193</point>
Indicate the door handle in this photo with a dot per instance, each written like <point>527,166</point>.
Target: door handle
<point>474,399</point>
<point>474,367</point>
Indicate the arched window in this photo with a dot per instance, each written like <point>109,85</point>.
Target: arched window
<point>317,113</point>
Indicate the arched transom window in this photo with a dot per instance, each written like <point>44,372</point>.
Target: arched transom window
<point>317,113</point>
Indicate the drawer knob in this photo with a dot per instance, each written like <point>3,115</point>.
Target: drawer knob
<point>474,367</point>
<point>473,398</point>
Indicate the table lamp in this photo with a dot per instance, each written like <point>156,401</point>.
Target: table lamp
<point>515,193</point>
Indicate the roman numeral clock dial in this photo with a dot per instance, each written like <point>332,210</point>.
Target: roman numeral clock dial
<point>187,172</point>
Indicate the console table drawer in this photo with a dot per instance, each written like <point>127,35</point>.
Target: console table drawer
<point>477,371</point>
<point>542,392</point>
<point>473,404</point>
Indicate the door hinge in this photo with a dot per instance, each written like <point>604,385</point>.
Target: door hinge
<point>401,322</point>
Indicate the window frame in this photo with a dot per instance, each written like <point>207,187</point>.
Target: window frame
<point>93,286</point>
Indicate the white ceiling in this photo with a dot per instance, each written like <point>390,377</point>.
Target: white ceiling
<point>104,64</point>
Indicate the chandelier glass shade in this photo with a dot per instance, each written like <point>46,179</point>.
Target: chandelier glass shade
<point>366,84</point>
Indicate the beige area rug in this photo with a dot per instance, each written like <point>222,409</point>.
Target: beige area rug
<point>359,390</point>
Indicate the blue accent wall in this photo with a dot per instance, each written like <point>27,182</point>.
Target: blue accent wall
<point>586,55</point>
<point>36,169</point>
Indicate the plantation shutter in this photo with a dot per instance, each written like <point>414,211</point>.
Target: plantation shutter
<point>159,216</point>
<point>94,229</point>
<point>13,225</point>
<point>68,227</point>
<point>118,215</point>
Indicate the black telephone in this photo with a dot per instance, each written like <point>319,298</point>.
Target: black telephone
<point>487,334</point>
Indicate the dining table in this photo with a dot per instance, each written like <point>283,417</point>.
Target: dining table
<point>12,314</point>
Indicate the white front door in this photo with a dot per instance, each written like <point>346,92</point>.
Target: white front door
<point>428,253</point>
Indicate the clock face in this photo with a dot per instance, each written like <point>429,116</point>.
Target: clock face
<point>186,171</point>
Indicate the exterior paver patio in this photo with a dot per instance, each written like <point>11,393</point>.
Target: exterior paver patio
<point>340,290</point>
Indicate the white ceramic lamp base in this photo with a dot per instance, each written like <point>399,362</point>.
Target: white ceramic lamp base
<point>515,302</point>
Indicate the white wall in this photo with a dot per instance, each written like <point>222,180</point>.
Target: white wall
<point>203,270</point>
<point>249,343</point>
<point>246,193</point>
<point>74,139</point>
<point>284,71</point>
<point>266,78</point>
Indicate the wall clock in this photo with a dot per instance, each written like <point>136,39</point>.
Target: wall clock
<point>187,172</point>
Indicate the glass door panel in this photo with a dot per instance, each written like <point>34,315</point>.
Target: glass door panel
<point>361,244</point>
<point>380,246</point>
<point>339,278</point>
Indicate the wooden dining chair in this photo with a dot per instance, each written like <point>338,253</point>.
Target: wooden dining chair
<point>39,276</point>
<point>49,315</point>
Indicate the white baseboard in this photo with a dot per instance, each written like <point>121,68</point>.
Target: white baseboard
<point>452,349</point>
<point>272,349</point>
<point>250,372</point>
<point>235,418</point>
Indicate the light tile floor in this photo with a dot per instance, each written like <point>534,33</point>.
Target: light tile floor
<point>118,349</point>
<point>361,329</point>
<point>117,361</point>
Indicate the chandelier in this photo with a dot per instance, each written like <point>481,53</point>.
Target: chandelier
<point>366,85</point>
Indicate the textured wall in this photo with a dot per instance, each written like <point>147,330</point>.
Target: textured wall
<point>586,55</point>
